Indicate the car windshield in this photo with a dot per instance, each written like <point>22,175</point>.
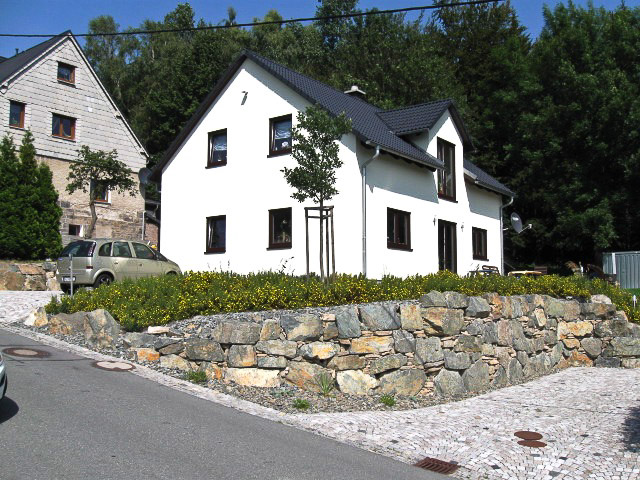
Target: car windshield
<point>81,248</point>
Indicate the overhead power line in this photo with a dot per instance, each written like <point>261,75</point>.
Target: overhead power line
<point>255,24</point>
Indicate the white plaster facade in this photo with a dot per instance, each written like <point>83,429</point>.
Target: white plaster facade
<point>251,183</point>
<point>98,124</point>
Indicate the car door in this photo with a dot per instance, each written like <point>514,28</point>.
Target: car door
<point>124,265</point>
<point>147,263</point>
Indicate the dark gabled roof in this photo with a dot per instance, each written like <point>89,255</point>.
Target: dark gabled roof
<point>13,64</point>
<point>483,179</point>
<point>366,124</point>
<point>419,118</point>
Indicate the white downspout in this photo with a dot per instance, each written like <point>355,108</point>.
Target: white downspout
<point>502,233</point>
<point>363,172</point>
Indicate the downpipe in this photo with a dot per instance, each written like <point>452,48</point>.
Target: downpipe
<point>363,173</point>
<point>502,206</point>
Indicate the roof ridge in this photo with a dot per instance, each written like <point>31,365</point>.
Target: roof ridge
<point>39,44</point>
<point>418,105</point>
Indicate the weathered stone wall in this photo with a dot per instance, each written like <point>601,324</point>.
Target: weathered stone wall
<point>28,276</point>
<point>446,342</point>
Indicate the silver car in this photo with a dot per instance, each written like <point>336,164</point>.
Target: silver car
<point>3,378</point>
<point>104,260</point>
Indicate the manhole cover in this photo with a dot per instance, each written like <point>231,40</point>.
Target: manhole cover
<point>532,443</point>
<point>438,466</point>
<point>526,435</point>
<point>26,352</point>
<point>113,366</point>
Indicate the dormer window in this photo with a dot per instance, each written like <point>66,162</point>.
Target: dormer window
<point>447,176</point>
<point>66,73</point>
<point>280,133</point>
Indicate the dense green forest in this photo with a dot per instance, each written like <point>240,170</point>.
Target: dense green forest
<point>556,118</point>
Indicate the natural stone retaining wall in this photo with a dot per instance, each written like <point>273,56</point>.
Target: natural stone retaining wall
<point>445,342</point>
<point>28,276</point>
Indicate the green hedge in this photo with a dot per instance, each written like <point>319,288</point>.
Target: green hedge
<point>159,300</point>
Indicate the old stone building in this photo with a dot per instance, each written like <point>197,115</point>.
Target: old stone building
<point>52,90</point>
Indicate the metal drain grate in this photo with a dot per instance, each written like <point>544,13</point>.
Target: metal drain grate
<point>438,466</point>
<point>527,435</point>
<point>113,366</point>
<point>532,443</point>
<point>26,352</point>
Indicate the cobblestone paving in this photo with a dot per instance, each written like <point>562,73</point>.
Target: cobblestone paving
<point>589,419</point>
<point>16,306</point>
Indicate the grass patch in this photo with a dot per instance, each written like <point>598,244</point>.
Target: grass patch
<point>388,400</point>
<point>196,377</point>
<point>325,383</point>
<point>301,404</point>
<point>159,300</point>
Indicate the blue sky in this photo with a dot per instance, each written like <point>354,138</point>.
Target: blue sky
<point>45,16</point>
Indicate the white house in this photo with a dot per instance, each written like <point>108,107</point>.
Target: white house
<point>409,201</point>
<point>52,90</point>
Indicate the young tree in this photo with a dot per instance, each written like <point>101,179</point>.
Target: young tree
<point>28,204</point>
<point>97,172</point>
<point>315,148</point>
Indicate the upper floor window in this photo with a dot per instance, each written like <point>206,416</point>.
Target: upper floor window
<point>16,114</point>
<point>64,127</point>
<point>398,229</point>
<point>447,176</point>
<point>66,73</point>
<point>479,243</point>
<point>280,135</point>
<point>216,234</point>
<point>101,193</point>
<point>280,228</point>
<point>217,155</point>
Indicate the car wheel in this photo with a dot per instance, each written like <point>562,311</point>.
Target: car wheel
<point>66,289</point>
<point>103,279</point>
<point>171,273</point>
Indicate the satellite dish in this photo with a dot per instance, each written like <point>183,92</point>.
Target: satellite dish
<point>516,222</point>
<point>143,175</point>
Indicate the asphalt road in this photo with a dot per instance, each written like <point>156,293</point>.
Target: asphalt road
<point>62,418</point>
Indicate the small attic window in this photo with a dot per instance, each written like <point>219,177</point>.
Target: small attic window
<point>66,73</point>
<point>280,132</point>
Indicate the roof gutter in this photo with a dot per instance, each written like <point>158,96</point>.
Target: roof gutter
<point>363,173</point>
<point>502,206</point>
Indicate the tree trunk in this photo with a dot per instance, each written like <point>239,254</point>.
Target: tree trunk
<point>94,219</point>
<point>321,239</point>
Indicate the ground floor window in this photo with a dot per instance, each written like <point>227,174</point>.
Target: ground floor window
<point>216,234</point>
<point>479,242</point>
<point>447,246</point>
<point>398,229</point>
<point>280,228</point>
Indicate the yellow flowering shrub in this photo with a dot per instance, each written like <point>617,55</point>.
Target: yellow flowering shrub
<point>159,300</point>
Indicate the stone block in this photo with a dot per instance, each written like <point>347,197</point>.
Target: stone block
<point>146,355</point>
<point>379,317</point>
<point>456,361</point>
<point>556,354</point>
<point>162,342</point>
<point>100,329</point>
<point>505,333</point>
<point>253,377</point>
<point>348,323</point>
<point>402,382</point>
<point>302,327</point>
<point>37,318</point>
<point>600,299</point>
<point>592,346</point>
<point>330,331</point>
<point>270,330</point>
<point>478,308</point>
<point>500,378</point>
<point>576,359</point>
<point>175,362</point>
<point>539,318</point>
<point>410,317</point>
<point>597,310</point>
<point>490,334</point>
<point>11,281</point>
<point>67,324</point>
<point>386,363</point>
<point>172,349</point>
<point>608,362</point>
<point>515,373</point>
<point>615,327</point>
<point>433,299</point>
<point>238,333</point>
<point>467,343</point>
<point>448,383</point>
<point>347,362</point>
<point>443,321</point>
<point>476,377</point>
<point>631,362</point>
<point>624,347</point>
<point>404,341</point>
<point>523,358</point>
<point>203,349</point>
<point>241,356</point>
<point>428,350</point>
<point>272,362</point>
<point>305,375</point>
<point>355,382</point>
<point>139,340</point>
<point>577,329</point>
<point>364,345</point>
<point>213,371</point>
<point>285,348</point>
<point>319,350</point>
<point>550,337</point>
<point>456,300</point>
<point>571,342</point>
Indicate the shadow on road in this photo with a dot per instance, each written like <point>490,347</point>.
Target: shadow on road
<point>631,430</point>
<point>8,409</point>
